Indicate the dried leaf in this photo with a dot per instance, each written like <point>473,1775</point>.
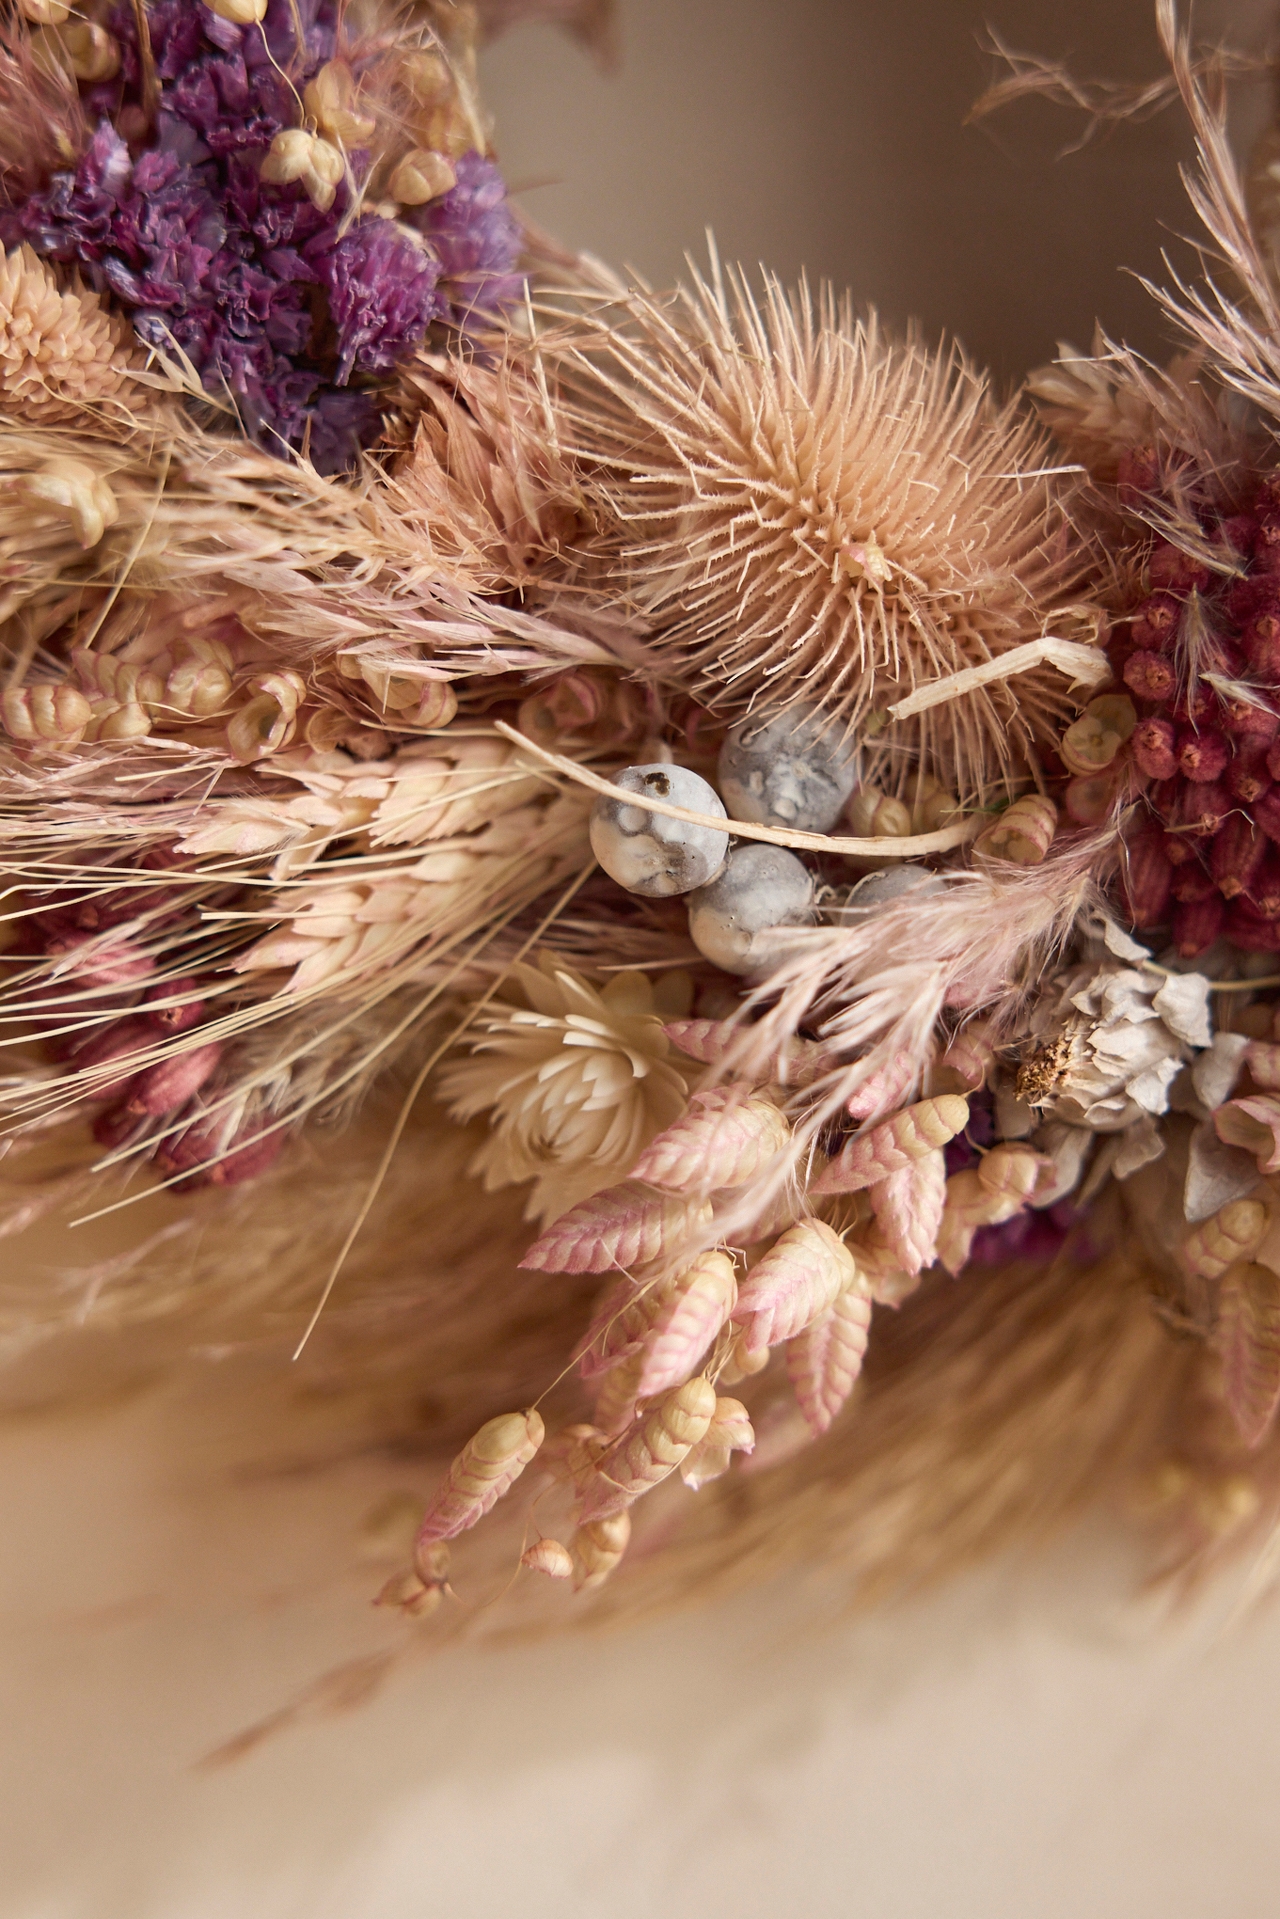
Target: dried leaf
<point>824,1361</point>
<point>722,1141</point>
<point>798,1278</point>
<point>1249,1340</point>
<point>643,1457</point>
<point>730,1432</point>
<point>909,1207</point>
<point>887,1148</point>
<point>625,1225</point>
<point>1253,1124</point>
<point>693,1309</point>
<point>486,1468</point>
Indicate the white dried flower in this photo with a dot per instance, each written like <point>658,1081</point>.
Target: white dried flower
<point>1112,1047</point>
<point>577,1082</point>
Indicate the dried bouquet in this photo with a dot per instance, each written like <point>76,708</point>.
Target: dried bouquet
<point>688,901</point>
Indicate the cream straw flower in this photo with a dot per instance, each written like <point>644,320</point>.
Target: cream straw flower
<point>577,1084</point>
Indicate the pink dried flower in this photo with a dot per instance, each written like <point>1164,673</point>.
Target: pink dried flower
<point>1203,756</point>
<point>1153,748</point>
<point>1150,676</point>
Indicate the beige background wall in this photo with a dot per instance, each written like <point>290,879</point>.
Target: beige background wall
<point>1023,1743</point>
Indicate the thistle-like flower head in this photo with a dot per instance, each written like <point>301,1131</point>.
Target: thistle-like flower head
<point>60,350</point>
<point>810,513</point>
<point>577,1082</point>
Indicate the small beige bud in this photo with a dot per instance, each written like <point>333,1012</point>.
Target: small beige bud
<point>1023,833</point>
<point>297,155</point>
<point>92,53</point>
<point>330,99</point>
<point>44,13</point>
<point>426,76</point>
<point>421,176</point>
<point>71,491</point>
<point>241,13</point>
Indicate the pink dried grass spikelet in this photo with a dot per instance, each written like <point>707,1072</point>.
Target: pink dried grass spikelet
<point>643,1457</point>
<point>896,1144</point>
<point>724,1140</point>
<point>823,1362</point>
<point>1248,1338</point>
<point>797,1280</point>
<point>624,1226</point>
<point>909,1206</point>
<point>730,1432</point>
<point>763,461</point>
<point>486,1468</point>
<point>693,1310</point>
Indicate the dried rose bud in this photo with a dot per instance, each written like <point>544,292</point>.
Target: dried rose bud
<point>1198,924</point>
<point>1153,748</point>
<point>1236,856</point>
<point>113,1045</point>
<point>1203,756</point>
<point>1203,808</point>
<point>1248,775</point>
<point>1156,622</point>
<point>1149,676</point>
<point>1260,640</point>
<point>163,1088</point>
<point>1170,567</point>
<point>174,1007</point>
<point>1251,720</point>
<point>1266,813</point>
<point>1148,878</point>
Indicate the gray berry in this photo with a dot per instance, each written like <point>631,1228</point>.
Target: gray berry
<point>733,921</point>
<point>648,852</point>
<point>795,770</point>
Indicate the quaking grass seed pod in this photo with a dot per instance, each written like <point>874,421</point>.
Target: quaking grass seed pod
<point>486,1468</point>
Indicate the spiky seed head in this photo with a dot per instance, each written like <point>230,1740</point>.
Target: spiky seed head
<point>810,514</point>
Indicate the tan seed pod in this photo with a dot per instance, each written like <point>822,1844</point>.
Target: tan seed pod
<point>798,1279</point>
<point>1233,1233</point>
<point>823,1363</point>
<point>548,1557</point>
<point>416,1597</point>
<point>966,1208</point>
<point>1023,833</point>
<point>616,1396</point>
<point>600,1547</point>
<point>44,13</point>
<point>69,490</point>
<point>643,1457</point>
<point>421,176</point>
<point>58,714</point>
<point>330,99</point>
<point>723,1141</point>
<point>1248,1336</point>
<point>887,1148</point>
<point>1010,1173</point>
<point>486,1468</point>
<point>266,722</point>
<point>315,164</point>
<point>1094,740</point>
<point>730,1432</point>
<point>872,814</point>
<point>241,13</point>
<point>92,53</point>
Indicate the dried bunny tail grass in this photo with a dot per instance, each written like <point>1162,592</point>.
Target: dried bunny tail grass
<point>42,119</point>
<point>807,512</point>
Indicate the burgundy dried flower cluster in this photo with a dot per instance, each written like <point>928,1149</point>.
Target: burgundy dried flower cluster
<point>96,947</point>
<point>268,297</point>
<point>1199,657</point>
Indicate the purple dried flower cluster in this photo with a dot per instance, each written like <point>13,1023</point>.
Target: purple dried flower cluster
<point>269,300</point>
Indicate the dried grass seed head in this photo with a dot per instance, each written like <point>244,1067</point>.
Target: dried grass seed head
<point>809,513</point>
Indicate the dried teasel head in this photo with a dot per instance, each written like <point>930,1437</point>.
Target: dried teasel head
<point>780,542</point>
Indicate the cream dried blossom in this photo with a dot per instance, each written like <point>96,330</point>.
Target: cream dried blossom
<point>577,1081</point>
<point>60,351</point>
<point>1109,1051</point>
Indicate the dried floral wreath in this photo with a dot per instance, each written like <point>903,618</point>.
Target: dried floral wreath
<point>809,833</point>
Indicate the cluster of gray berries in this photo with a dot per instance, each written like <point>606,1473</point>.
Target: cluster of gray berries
<point>794,771</point>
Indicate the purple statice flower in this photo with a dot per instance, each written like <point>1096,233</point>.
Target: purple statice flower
<point>1036,1234</point>
<point>271,300</point>
<point>381,282</point>
<point>476,238</point>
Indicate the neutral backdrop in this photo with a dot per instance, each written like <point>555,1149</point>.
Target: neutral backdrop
<point>1035,1739</point>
